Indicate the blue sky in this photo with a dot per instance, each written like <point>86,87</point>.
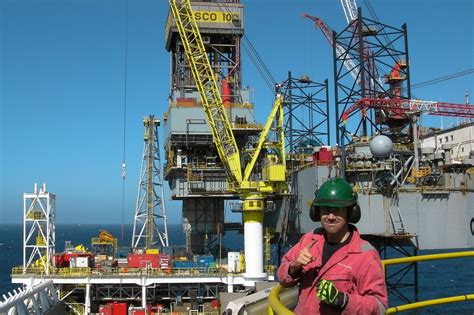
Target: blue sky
<point>62,85</point>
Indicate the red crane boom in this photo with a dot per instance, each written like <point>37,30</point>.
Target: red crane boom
<point>406,106</point>
<point>340,51</point>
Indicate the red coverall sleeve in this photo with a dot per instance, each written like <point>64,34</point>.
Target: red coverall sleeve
<point>284,277</point>
<point>371,295</point>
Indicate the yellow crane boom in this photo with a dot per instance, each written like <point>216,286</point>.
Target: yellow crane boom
<point>277,109</point>
<point>272,180</point>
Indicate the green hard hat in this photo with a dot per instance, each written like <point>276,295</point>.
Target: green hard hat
<point>335,192</point>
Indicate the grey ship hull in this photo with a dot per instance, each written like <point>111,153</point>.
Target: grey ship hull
<point>432,217</point>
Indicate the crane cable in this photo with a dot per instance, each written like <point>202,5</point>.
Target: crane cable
<point>124,169</point>
<point>259,64</point>
<point>441,79</point>
<point>425,83</point>
<point>254,56</point>
<point>376,18</point>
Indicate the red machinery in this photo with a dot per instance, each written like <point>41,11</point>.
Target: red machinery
<point>149,260</point>
<point>403,107</point>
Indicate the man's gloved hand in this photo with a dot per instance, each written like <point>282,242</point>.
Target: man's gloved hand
<point>329,294</point>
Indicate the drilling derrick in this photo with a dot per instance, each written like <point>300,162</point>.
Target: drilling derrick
<point>150,228</point>
<point>196,174</point>
<point>380,55</point>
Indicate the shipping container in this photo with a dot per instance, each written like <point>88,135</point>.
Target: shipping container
<point>119,308</point>
<point>205,261</point>
<point>143,260</point>
<point>59,261</point>
<point>79,262</point>
<point>139,310</point>
<point>183,264</point>
<point>325,155</point>
<point>148,261</point>
<point>105,310</point>
<point>68,256</point>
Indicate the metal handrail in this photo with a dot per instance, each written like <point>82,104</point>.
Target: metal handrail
<point>274,304</point>
<point>276,307</point>
<point>413,306</point>
<point>404,260</point>
<point>123,272</point>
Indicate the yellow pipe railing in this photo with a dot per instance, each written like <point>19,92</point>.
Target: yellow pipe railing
<point>412,306</point>
<point>276,307</point>
<point>274,304</point>
<point>404,260</point>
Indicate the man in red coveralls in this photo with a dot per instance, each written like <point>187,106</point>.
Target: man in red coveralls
<point>338,272</point>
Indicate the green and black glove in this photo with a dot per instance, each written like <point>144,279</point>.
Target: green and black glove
<point>329,294</point>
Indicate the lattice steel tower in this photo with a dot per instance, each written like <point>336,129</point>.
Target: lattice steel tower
<point>379,53</point>
<point>150,228</point>
<point>306,106</point>
<point>39,229</point>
